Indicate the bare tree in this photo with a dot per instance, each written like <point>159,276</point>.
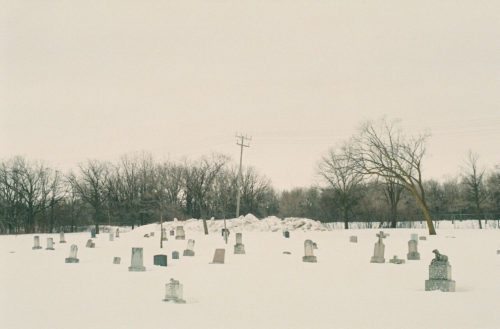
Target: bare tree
<point>474,186</point>
<point>383,150</point>
<point>338,169</point>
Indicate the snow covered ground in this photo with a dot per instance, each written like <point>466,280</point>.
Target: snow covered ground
<point>262,289</point>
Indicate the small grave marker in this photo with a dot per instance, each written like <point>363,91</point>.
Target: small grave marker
<point>50,244</point>
<point>117,260</point>
<point>72,255</point>
<point>160,260</point>
<point>239,247</point>
<point>37,243</point>
<point>353,239</point>
<point>61,238</point>
<point>175,255</point>
<point>309,251</point>
<point>396,260</point>
<point>189,250</point>
<point>174,292</point>
<point>219,256</point>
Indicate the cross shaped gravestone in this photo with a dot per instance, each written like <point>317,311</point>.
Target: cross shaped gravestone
<point>378,254</point>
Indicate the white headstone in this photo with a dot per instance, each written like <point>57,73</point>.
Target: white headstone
<point>239,247</point>
<point>309,252</point>
<point>61,238</point>
<point>111,237</point>
<point>174,292</point>
<point>72,255</point>
<point>378,254</point>
<point>50,244</point>
<point>137,261</point>
<point>89,243</point>
<point>414,237</point>
<point>190,247</point>
<point>412,250</point>
<point>37,243</point>
<point>179,232</point>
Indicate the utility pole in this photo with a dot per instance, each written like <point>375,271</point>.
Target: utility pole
<point>240,178</point>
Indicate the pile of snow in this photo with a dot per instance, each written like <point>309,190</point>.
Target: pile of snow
<point>250,223</point>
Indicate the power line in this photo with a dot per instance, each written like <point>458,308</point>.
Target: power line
<point>240,178</point>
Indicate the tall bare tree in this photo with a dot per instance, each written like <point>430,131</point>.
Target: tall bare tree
<point>474,185</point>
<point>382,149</point>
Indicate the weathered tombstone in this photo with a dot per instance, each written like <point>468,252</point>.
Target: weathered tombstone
<point>174,292</point>
<point>378,254</point>
<point>164,235</point>
<point>117,233</point>
<point>287,253</point>
<point>175,255</point>
<point>72,255</point>
<point>179,233</point>
<point>189,250</point>
<point>50,244</point>
<point>92,245</point>
<point>172,232</point>
<point>239,247</point>
<point>413,253</point>
<point>92,233</point>
<point>315,246</point>
<point>160,260</point>
<point>396,260</point>
<point>137,261</point>
<point>146,235</point>
<point>111,237</point>
<point>152,234</point>
<point>414,237</point>
<point>61,238</point>
<point>89,243</point>
<point>423,238</point>
<point>309,257</point>
<point>353,239</point>
<point>219,256</point>
<point>117,260</point>
<point>440,274</point>
<point>37,243</point>
<point>287,234</point>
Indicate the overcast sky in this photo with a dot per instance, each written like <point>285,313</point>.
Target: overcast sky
<point>98,79</point>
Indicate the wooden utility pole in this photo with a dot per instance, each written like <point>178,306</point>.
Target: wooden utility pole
<point>240,178</point>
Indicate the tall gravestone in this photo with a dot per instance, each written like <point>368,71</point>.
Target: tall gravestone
<point>72,255</point>
<point>61,238</point>
<point>413,253</point>
<point>137,261</point>
<point>309,252</point>
<point>174,292</point>
<point>175,255</point>
<point>239,247</point>
<point>219,256</point>
<point>92,233</point>
<point>179,233</point>
<point>37,243</point>
<point>378,254</point>
<point>50,244</point>
<point>440,274</point>
<point>160,260</point>
<point>111,237</point>
<point>353,239</point>
<point>89,243</point>
<point>117,233</point>
<point>189,250</point>
<point>414,237</point>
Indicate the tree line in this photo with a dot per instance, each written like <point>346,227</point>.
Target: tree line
<point>374,177</point>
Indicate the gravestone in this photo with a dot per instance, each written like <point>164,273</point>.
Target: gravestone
<point>117,233</point>
<point>378,254</point>
<point>174,292</point>
<point>498,252</point>
<point>137,261</point>
<point>179,233</point>
<point>414,237</point>
<point>353,239</point>
<point>239,247</point>
<point>396,260</point>
<point>423,238</point>
<point>89,243</point>
<point>440,274</point>
<point>160,260</point>
<point>219,256</point>
<point>72,255</point>
<point>117,260</point>
<point>413,253</point>
<point>287,234</point>
<point>175,255</point>
<point>164,235</point>
<point>50,244</point>
<point>92,233</point>
<point>152,234</point>
<point>222,232</point>
<point>287,253</point>
<point>61,238</point>
<point>172,233</point>
<point>37,243</point>
<point>189,250</point>
<point>92,245</point>
<point>309,257</point>
<point>315,246</point>
<point>146,235</point>
<point>111,237</point>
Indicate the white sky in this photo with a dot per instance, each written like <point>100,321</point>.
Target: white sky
<point>98,79</point>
